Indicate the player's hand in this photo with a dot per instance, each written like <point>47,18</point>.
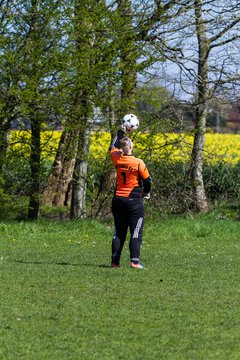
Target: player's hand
<point>146,196</point>
<point>123,128</point>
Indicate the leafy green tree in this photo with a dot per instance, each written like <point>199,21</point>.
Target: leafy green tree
<point>85,89</point>
<point>34,35</point>
<point>9,78</point>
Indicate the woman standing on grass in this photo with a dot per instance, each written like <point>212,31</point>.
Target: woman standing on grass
<point>133,184</point>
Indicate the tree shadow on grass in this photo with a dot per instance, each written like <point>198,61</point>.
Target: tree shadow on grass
<point>60,263</point>
<point>36,262</point>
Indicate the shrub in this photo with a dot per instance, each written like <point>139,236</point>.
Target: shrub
<point>166,155</point>
<point>11,207</point>
<point>222,181</point>
<point>171,187</point>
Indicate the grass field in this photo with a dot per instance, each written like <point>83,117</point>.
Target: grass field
<point>61,300</point>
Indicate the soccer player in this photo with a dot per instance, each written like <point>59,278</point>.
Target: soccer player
<point>133,184</point>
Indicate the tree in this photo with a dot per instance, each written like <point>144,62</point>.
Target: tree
<point>34,39</point>
<point>84,93</point>
<point>202,40</point>
<point>104,68</point>
<point>9,78</point>
<point>224,33</point>
<point>201,109</point>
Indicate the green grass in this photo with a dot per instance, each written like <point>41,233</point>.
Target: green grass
<point>61,300</point>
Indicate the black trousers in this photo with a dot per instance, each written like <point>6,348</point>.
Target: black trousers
<point>128,213</point>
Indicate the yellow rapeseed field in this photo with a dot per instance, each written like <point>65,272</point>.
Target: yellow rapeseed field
<point>170,146</point>
<point>176,147</point>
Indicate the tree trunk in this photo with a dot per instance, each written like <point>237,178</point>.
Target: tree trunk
<point>35,165</point>
<point>3,146</point>
<point>196,165</point>
<point>85,91</point>
<point>79,181</point>
<point>57,189</point>
<point>201,111</point>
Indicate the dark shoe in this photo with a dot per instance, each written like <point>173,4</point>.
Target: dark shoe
<point>115,265</point>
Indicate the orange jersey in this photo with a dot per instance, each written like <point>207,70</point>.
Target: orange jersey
<point>130,172</point>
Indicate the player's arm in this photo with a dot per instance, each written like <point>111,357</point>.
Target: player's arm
<point>146,179</point>
<point>147,183</point>
<point>116,139</point>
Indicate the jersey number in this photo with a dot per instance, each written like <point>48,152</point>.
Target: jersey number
<point>124,175</point>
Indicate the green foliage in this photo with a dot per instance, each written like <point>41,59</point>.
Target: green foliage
<point>55,212</point>
<point>172,185</point>
<point>222,181</point>
<point>4,199</point>
<point>17,175</point>
<point>11,206</point>
<point>61,300</point>
<point>171,190</point>
<point>15,189</point>
<point>62,59</point>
